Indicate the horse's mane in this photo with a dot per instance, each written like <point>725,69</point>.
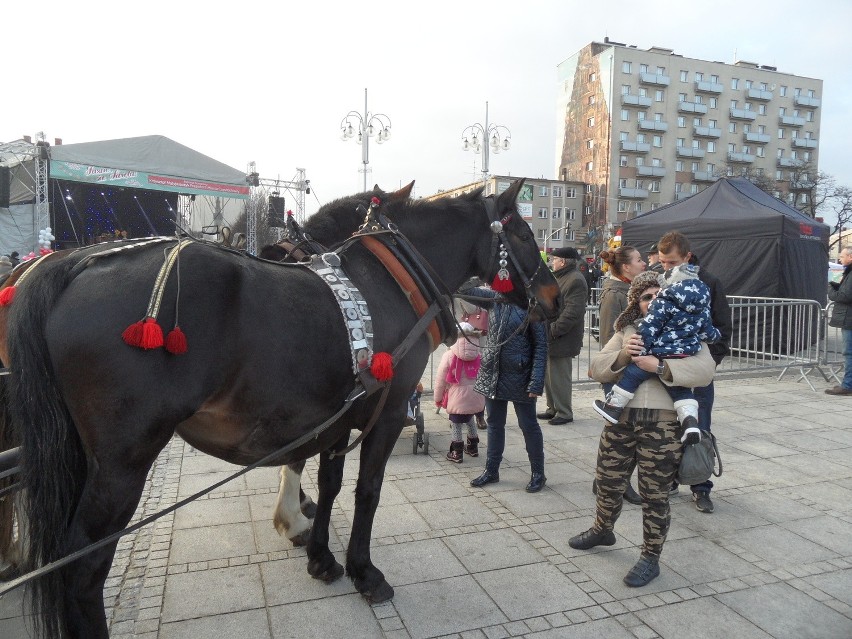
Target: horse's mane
<point>337,220</point>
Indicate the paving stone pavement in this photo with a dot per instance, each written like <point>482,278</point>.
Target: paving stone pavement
<point>773,560</point>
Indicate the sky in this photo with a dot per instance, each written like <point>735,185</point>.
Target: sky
<point>270,82</point>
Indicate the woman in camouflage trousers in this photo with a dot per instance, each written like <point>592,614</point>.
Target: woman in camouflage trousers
<point>647,434</point>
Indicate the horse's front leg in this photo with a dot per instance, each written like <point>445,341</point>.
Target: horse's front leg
<point>289,518</point>
<point>321,562</point>
<point>375,451</point>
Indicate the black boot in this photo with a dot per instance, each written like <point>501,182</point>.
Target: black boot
<point>456,454</point>
<point>631,496</point>
<point>490,476</point>
<point>537,478</point>
<point>472,447</point>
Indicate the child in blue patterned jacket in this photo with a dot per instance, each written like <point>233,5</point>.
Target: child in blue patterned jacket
<point>678,320</point>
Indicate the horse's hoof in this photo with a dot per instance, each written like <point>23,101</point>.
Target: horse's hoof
<point>332,573</point>
<point>382,592</point>
<point>301,539</point>
<point>308,508</point>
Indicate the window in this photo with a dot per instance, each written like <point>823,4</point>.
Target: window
<point>713,124</point>
<point>678,165</point>
<point>542,191</point>
<point>763,86</point>
<point>811,93</point>
<point>661,70</point>
<point>782,91</point>
<point>711,168</point>
<point>541,233</point>
<point>654,186</point>
<point>557,213</point>
<point>542,213</point>
<point>591,121</point>
<point>760,152</point>
<point>748,106</point>
<point>557,191</point>
<point>681,97</point>
<point>779,153</point>
<point>641,115</point>
<point>622,183</point>
<point>626,66</point>
<point>557,235</point>
<point>794,155</point>
<point>735,83</point>
<point>590,144</point>
<point>625,89</point>
<point>659,95</point>
<point>643,68</point>
<point>696,144</point>
<point>571,192</point>
<point>699,99</point>
<point>693,188</point>
<point>732,148</point>
<point>734,104</point>
<point>746,148</point>
<point>658,141</point>
<point>643,92</point>
<point>622,206</point>
<point>795,113</point>
<point>681,142</point>
<point>570,214</point>
<point>684,76</point>
<point>622,160</point>
<point>658,117</point>
<point>748,84</point>
<point>713,102</point>
<point>640,138</point>
<point>699,76</point>
<point>591,99</point>
<point>732,127</point>
<point>761,128</point>
<point>695,166</point>
<point>640,184</point>
<point>590,166</point>
<point>593,76</point>
<point>656,162</point>
<point>794,133</point>
<point>678,187</point>
<point>655,205</point>
<point>714,79</point>
<point>587,188</point>
<point>746,128</point>
<point>637,207</point>
<point>779,175</point>
<point>780,134</point>
<point>681,121</point>
<point>711,146</point>
<point>625,115</point>
<point>797,92</point>
<point>761,109</point>
<point>810,116</point>
<point>696,121</point>
<point>640,161</point>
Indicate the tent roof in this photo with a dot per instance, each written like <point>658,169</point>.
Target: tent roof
<point>149,154</point>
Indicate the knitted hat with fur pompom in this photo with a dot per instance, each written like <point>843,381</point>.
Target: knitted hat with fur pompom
<point>640,284</point>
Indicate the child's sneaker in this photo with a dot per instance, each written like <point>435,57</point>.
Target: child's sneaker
<point>612,408</point>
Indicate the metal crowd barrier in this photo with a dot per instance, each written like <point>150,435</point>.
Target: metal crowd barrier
<point>768,334</point>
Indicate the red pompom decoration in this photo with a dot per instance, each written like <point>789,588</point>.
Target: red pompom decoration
<point>152,334</point>
<point>176,341</point>
<point>502,286</point>
<point>375,201</point>
<point>7,295</point>
<point>132,335</point>
<point>382,366</point>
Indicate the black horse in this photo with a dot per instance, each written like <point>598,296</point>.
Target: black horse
<point>268,360</point>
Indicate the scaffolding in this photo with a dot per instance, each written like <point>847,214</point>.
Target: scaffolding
<point>298,187</point>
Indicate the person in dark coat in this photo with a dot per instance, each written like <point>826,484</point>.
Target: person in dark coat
<point>512,369</point>
<point>566,335</point>
<point>841,294</point>
<point>674,250</point>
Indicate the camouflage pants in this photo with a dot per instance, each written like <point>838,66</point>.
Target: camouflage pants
<point>655,446</point>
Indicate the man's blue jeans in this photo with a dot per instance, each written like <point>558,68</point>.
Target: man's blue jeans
<point>495,410</point>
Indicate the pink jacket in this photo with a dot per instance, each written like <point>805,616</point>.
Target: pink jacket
<point>461,398</point>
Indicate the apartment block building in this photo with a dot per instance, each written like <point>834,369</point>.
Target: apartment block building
<point>552,208</point>
<point>646,127</point>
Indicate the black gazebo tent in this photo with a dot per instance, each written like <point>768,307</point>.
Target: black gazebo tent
<point>755,244</point>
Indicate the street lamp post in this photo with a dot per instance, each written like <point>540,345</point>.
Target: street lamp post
<point>362,127</point>
<point>486,138</point>
<point>565,228</point>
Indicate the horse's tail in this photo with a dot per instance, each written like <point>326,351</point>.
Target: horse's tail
<point>53,461</point>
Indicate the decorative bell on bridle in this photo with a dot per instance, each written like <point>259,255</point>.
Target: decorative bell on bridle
<point>502,282</point>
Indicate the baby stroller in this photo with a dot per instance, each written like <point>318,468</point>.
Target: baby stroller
<point>415,418</point>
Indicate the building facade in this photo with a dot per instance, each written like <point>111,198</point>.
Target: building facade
<point>552,208</point>
<point>643,128</point>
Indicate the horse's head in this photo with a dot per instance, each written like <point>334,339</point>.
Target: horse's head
<point>513,259</point>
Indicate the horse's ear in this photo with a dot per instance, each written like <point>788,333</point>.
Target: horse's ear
<point>402,194</point>
<point>476,193</point>
<point>507,198</point>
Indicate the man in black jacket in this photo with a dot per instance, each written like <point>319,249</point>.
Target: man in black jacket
<point>566,336</point>
<point>841,317</point>
<point>674,250</point>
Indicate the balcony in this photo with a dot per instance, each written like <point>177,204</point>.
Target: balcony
<point>791,120</point>
<point>757,138</point>
<point>801,185</point>
<point>742,114</point>
<point>691,107</point>
<point>706,132</point>
<point>703,176</point>
<point>657,79</point>
<point>804,143</point>
<point>805,101</point>
<point>635,100</point>
<point>708,87</point>
<point>688,152</point>
<point>651,171</point>
<point>682,196</point>
<point>759,94</point>
<point>744,158</point>
<point>790,163</point>
<point>632,194</point>
<point>653,125</point>
<point>635,147</point>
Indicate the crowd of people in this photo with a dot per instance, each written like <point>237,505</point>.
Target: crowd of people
<point>664,327</point>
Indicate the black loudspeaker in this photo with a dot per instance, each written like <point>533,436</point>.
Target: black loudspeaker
<point>5,186</point>
<point>277,214</point>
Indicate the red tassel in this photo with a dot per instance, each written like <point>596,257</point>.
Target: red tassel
<point>502,286</point>
<point>7,295</point>
<point>132,335</point>
<point>382,366</point>
<point>176,341</point>
<point>152,334</point>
